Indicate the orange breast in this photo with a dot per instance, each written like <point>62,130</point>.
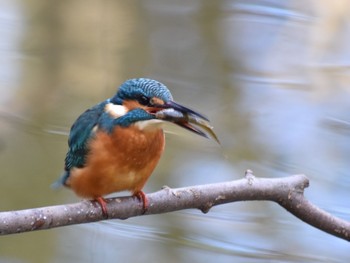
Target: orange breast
<point>120,161</point>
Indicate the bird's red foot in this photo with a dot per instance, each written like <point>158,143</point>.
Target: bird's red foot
<point>143,198</point>
<point>102,202</point>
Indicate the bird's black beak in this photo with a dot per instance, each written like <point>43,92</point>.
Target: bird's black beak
<point>186,118</point>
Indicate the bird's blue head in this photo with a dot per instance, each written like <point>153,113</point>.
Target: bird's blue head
<point>145,99</point>
<point>142,90</point>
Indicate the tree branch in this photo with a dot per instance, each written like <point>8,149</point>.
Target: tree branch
<point>287,192</point>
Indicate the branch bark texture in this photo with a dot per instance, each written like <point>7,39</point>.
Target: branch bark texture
<point>288,192</point>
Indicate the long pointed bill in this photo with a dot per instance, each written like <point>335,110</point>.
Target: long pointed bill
<point>186,118</point>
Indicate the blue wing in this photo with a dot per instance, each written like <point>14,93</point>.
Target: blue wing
<point>80,134</point>
<point>79,137</point>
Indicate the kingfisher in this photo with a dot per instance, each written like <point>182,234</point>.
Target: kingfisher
<point>115,145</point>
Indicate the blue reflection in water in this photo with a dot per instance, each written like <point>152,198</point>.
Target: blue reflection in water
<point>11,28</point>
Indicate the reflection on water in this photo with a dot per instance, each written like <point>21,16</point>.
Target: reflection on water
<point>273,77</point>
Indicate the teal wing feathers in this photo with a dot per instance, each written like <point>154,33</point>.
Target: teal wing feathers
<point>80,134</point>
<point>78,141</point>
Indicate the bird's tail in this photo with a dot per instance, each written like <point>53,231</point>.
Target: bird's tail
<point>60,181</point>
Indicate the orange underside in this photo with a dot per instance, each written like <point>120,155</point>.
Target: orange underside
<point>121,161</point>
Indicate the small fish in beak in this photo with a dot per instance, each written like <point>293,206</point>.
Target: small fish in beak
<point>187,119</point>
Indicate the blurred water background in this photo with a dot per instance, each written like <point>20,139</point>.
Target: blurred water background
<point>273,76</point>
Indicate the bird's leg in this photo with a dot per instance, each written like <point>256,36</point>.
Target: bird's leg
<point>102,202</point>
<point>143,198</point>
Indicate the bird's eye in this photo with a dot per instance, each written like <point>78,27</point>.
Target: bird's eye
<point>144,100</point>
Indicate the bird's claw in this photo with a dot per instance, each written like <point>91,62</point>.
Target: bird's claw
<point>141,196</point>
<point>103,204</point>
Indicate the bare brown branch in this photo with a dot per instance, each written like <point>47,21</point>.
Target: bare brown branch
<point>287,192</point>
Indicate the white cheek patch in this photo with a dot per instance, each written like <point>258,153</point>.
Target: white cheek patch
<point>94,129</point>
<point>149,124</point>
<point>115,111</point>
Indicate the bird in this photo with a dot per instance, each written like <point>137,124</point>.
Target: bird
<point>115,145</point>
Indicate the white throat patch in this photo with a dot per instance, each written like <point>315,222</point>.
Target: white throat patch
<point>149,124</point>
<point>115,111</point>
